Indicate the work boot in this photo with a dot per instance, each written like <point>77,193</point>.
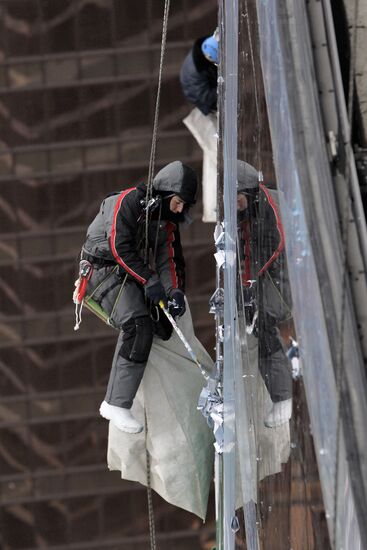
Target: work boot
<point>120,417</point>
<point>279,414</point>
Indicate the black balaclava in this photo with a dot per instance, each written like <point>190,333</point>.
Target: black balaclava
<point>163,211</point>
<point>178,179</point>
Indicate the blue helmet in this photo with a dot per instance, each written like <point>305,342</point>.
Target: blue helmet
<point>210,49</point>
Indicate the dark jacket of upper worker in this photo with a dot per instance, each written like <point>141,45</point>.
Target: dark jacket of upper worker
<point>198,78</point>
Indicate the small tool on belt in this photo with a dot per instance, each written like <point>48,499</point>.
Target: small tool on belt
<point>85,273</point>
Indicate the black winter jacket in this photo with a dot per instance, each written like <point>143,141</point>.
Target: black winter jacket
<point>117,234</point>
<point>198,78</point>
<point>262,252</point>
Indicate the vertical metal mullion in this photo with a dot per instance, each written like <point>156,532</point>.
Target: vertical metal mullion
<point>218,462</point>
<point>231,343</point>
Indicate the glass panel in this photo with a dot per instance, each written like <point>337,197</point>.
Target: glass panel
<point>61,71</point>
<point>6,163</point>
<point>97,66</point>
<point>66,160</point>
<point>3,79</point>
<point>289,508</point>
<point>26,164</point>
<point>101,155</point>
<point>25,74</point>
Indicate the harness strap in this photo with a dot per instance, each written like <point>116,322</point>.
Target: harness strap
<point>103,294</point>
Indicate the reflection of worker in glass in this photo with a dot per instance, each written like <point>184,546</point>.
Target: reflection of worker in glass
<point>198,74</point>
<point>265,287</point>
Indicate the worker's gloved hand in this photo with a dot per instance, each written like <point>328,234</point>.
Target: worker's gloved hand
<point>154,290</point>
<point>178,308</point>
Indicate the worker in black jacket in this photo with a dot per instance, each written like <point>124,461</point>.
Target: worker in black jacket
<point>198,74</point>
<point>265,286</point>
<point>128,286</point>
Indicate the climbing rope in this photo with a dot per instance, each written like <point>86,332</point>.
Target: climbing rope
<point>153,545</point>
<point>149,192</point>
<point>148,198</point>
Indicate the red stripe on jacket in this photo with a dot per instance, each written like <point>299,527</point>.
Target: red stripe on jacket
<point>279,227</point>
<point>171,253</point>
<point>113,237</point>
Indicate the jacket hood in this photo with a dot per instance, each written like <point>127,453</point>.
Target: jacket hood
<point>247,176</point>
<point>179,179</point>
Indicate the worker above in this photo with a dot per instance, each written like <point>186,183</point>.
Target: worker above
<point>198,74</point>
<point>128,286</point>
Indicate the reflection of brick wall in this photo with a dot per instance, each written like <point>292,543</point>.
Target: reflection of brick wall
<point>291,504</point>
<point>77,96</point>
